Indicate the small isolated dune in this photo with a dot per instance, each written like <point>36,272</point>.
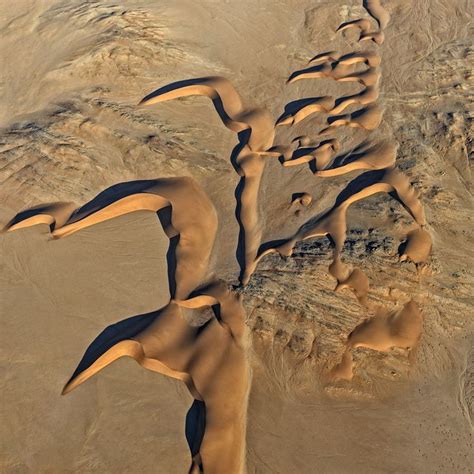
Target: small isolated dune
<point>418,246</point>
<point>381,333</point>
<point>304,199</point>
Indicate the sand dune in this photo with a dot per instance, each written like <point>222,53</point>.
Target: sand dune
<point>366,33</point>
<point>211,360</point>
<point>418,246</point>
<point>377,11</point>
<point>305,199</point>
<point>367,96</point>
<point>304,109</point>
<point>368,78</point>
<point>381,333</point>
<point>368,118</point>
<point>320,155</point>
<point>379,156</point>
<point>248,156</point>
<point>193,217</point>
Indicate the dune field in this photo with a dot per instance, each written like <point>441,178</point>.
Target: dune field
<point>267,205</point>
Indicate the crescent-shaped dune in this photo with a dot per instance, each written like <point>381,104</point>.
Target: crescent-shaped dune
<point>379,156</point>
<point>299,110</point>
<point>381,333</point>
<point>363,24</point>
<point>321,155</point>
<point>53,214</point>
<point>367,96</point>
<point>371,58</point>
<point>193,217</point>
<point>366,30</point>
<point>368,118</point>
<point>378,37</point>
<point>314,72</point>
<point>370,77</point>
<point>330,56</point>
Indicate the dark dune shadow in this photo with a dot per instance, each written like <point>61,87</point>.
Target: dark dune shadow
<point>111,335</point>
<point>216,100</point>
<point>351,116</point>
<point>109,196</point>
<point>195,426</point>
<point>240,250</point>
<point>359,184</point>
<point>340,100</point>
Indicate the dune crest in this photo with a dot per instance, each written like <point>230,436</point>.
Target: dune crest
<point>368,119</point>
<point>379,156</point>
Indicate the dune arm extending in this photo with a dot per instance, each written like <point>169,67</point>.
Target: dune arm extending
<point>368,119</point>
<point>319,104</point>
<point>367,96</point>
<point>54,214</point>
<point>377,11</point>
<point>380,156</point>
